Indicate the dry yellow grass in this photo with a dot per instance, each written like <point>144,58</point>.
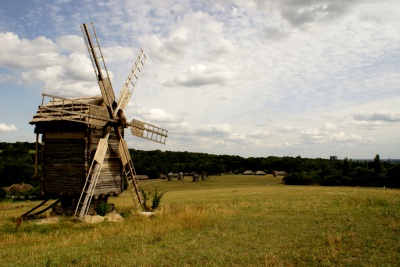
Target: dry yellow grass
<point>226,221</point>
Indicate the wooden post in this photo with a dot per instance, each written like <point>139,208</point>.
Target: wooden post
<point>36,154</point>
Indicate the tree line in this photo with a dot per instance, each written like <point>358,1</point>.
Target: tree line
<point>17,165</point>
<point>301,171</point>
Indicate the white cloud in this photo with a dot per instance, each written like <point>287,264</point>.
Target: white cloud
<point>380,115</point>
<point>287,129</point>
<point>212,129</point>
<point>6,77</point>
<point>369,124</point>
<point>376,119</point>
<point>328,134</point>
<point>342,137</point>
<point>199,76</point>
<point>7,128</point>
<point>22,53</point>
<point>71,43</point>
<point>259,134</point>
<point>157,115</point>
<point>302,13</point>
<point>329,126</point>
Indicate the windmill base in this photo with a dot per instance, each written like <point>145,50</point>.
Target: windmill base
<point>67,205</point>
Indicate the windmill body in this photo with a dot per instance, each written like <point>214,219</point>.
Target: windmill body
<point>84,155</point>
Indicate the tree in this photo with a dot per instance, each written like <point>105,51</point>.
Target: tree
<point>2,193</point>
<point>16,172</point>
<point>394,176</point>
<point>346,168</point>
<point>300,178</point>
<point>378,167</point>
<point>153,172</point>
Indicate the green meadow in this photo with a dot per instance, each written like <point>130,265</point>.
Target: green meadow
<point>228,220</point>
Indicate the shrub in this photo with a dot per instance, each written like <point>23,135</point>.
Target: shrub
<point>332,180</point>
<point>34,192</point>
<point>145,198</point>
<point>300,178</point>
<point>155,197</point>
<point>103,208</point>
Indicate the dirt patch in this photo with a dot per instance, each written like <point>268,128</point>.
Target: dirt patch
<point>49,220</point>
<point>113,217</point>
<point>147,213</point>
<point>110,217</point>
<point>93,219</point>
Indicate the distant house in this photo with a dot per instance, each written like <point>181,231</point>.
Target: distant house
<point>248,172</point>
<point>18,188</point>
<point>279,173</point>
<point>260,173</point>
<point>142,177</point>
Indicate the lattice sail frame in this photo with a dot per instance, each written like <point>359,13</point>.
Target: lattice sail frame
<point>115,109</point>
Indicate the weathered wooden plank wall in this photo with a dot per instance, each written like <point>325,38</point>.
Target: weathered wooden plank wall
<point>68,150</point>
<point>110,180</point>
<point>64,162</point>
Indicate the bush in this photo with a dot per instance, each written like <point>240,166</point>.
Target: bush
<point>300,178</point>
<point>145,198</point>
<point>155,197</point>
<point>334,179</point>
<point>103,208</point>
<point>34,192</point>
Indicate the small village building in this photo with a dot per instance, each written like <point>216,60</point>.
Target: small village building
<point>260,173</point>
<point>142,177</point>
<point>248,172</point>
<point>22,187</point>
<point>279,173</point>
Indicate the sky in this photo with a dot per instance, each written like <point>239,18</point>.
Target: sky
<point>309,78</point>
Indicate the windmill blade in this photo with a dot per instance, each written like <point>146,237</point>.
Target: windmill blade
<point>107,91</point>
<point>99,66</point>
<point>93,176</point>
<point>148,131</point>
<point>128,168</point>
<point>123,152</point>
<point>101,150</point>
<point>130,82</point>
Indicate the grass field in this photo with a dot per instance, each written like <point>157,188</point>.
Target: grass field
<point>225,221</point>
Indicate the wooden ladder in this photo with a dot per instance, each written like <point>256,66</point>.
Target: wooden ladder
<point>130,172</point>
<point>99,65</point>
<point>133,183</point>
<point>85,199</point>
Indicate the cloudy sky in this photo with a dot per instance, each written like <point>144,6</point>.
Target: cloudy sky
<point>309,78</point>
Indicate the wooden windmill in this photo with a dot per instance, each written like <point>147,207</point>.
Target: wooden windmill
<point>85,156</point>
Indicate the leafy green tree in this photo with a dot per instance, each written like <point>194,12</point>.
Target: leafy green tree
<point>393,175</point>
<point>3,193</point>
<point>153,172</point>
<point>332,180</point>
<point>16,172</point>
<point>346,168</point>
<point>300,178</point>
<point>378,168</point>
